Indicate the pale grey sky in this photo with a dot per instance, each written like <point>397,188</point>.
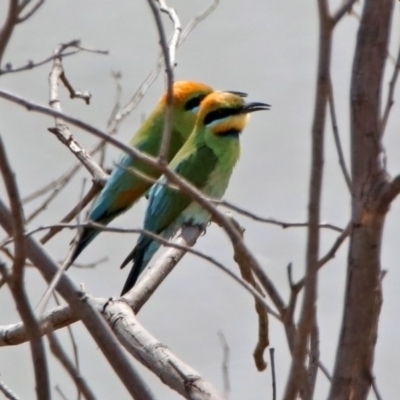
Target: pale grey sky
<point>267,49</point>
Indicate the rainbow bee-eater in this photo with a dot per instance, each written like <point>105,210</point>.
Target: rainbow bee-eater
<point>124,187</point>
<point>206,160</point>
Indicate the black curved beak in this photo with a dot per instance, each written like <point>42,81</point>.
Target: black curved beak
<point>251,107</point>
<point>240,94</point>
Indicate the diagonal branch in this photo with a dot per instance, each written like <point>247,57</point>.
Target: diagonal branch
<point>62,131</point>
<point>346,7</point>
<point>336,136</point>
<point>16,280</point>
<point>168,52</point>
<point>390,97</point>
<point>8,27</point>
<point>30,12</point>
<point>60,354</point>
<point>8,393</point>
<point>273,221</point>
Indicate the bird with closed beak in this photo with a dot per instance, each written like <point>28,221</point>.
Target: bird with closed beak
<point>206,160</point>
<point>127,182</point>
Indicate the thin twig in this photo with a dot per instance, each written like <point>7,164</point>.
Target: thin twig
<point>62,53</point>
<point>148,81</point>
<point>30,12</point>
<point>55,184</point>
<point>330,253</point>
<point>62,131</point>
<point>273,221</point>
<point>173,43</point>
<point>324,370</point>
<point>346,7</point>
<point>225,364</point>
<point>75,349</point>
<point>67,262</point>
<point>166,243</point>
<point>75,375</point>
<point>8,27</point>
<point>336,136</point>
<point>90,195</point>
<point>263,323</point>
<point>375,388</point>
<point>168,52</point>
<point>61,393</point>
<point>271,354</point>
<point>8,393</point>
<point>390,96</point>
<point>313,363</point>
<point>338,242</point>
<point>196,20</point>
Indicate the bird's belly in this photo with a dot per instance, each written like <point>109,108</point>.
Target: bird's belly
<point>215,188</point>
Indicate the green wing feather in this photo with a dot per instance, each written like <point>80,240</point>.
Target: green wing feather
<point>166,203</point>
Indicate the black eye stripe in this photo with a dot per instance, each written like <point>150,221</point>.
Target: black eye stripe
<point>194,102</point>
<point>230,132</point>
<point>221,113</point>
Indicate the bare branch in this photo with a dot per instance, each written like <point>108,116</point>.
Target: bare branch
<point>362,302</point>
<point>8,393</point>
<point>62,131</point>
<point>296,379</point>
<point>336,136</point>
<point>73,343</point>
<point>313,363</point>
<point>145,348</point>
<point>17,216</point>
<point>16,282</point>
<point>140,92</point>
<point>57,318</point>
<point>8,27</point>
<point>168,53</point>
<point>62,53</point>
<point>196,20</point>
<point>252,287</point>
<point>62,316</point>
<point>346,7</point>
<point>73,94</point>
<point>338,242</point>
<point>54,185</point>
<point>60,392</point>
<point>262,312</point>
<point>271,354</point>
<point>375,389</point>
<point>156,356</point>
<point>173,44</point>
<point>390,97</point>
<point>30,12</point>
<point>225,364</point>
<point>59,353</point>
<point>90,195</point>
<point>273,221</point>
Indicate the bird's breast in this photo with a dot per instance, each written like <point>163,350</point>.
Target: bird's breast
<point>214,188</point>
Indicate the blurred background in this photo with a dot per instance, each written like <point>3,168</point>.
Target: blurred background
<point>267,49</point>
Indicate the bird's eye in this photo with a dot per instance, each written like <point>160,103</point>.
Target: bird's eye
<point>219,114</point>
<point>194,102</point>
